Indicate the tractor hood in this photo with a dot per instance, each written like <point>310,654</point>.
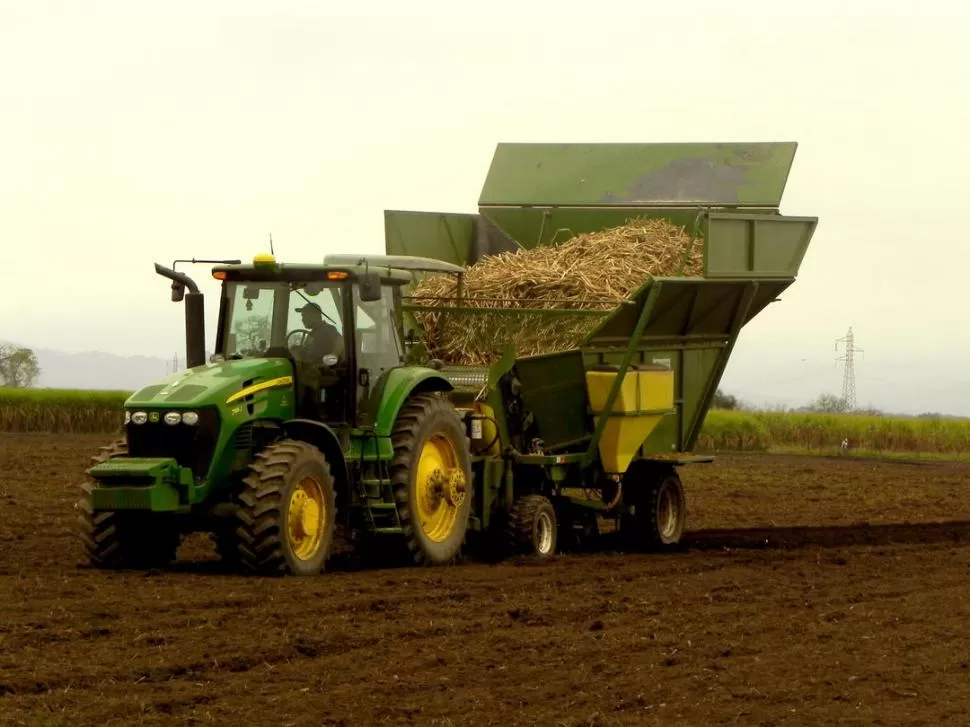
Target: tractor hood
<point>213,383</point>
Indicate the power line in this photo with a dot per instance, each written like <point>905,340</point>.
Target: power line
<point>848,377</point>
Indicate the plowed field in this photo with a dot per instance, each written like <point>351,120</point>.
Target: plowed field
<point>812,591</point>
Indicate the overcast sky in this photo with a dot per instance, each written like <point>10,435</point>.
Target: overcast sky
<point>135,132</point>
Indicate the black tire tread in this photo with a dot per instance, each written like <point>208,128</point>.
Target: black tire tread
<point>122,540</point>
<point>404,440</point>
<point>259,517</point>
<point>642,529</point>
<point>521,517</point>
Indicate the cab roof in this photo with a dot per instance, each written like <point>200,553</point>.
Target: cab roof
<point>394,269</point>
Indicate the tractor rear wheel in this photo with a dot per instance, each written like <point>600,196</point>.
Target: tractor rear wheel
<point>227,547</point>
<point>286,513</point>
<point>114,539</point>
<point>532,527</point>
<point>432,478</point>
<point>660,508</point>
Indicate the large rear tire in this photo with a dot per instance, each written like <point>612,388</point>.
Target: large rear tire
<point>286,514</point>
<point>432,479</point>
<point>123,539</point>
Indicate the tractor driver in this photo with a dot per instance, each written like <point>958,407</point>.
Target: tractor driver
<point>323,339</point>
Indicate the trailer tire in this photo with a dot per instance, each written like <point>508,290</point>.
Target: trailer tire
<point>117,540</point>
<point>272,538</point>
<point>660,508</point>
<point>532,527</point>
<point>432,477</point>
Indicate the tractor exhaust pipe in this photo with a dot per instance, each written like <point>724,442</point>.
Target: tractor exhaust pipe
<point>194,313</point>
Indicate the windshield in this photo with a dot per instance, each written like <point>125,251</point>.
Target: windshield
<point>302,317</point>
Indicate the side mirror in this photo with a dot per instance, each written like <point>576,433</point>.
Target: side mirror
<point>369,285</point>
<point>178,291</point>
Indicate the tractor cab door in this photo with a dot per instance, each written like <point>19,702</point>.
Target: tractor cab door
<point>322,390</point>
<point>378,345</point>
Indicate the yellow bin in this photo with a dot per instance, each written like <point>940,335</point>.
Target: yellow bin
<point>646,395</point>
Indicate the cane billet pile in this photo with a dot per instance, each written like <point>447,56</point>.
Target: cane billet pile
<point>593,271</point>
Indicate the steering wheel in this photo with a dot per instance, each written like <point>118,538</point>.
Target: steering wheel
<point>304,337</point>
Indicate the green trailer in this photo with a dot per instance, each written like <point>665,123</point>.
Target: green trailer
<point>275,441</point>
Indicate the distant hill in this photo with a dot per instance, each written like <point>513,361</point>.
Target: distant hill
<point>96,370</point>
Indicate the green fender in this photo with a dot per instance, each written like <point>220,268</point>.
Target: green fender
<point>323,438</point>
<point>397,387</point>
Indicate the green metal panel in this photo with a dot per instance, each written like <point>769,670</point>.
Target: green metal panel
<point>130,483</point>
<point>554,390</point>
<point>755,246</point>
<point>489,481</point>
<point>699,369</point>
<point>365,447</point>
<point>691,174</point>
<point>397,385</point>
<point>692,328</point>
<point>438,235</point>
<point>460,239</point>
<point>688,308</point>
<point>209,387</point>
<point>666,436</point>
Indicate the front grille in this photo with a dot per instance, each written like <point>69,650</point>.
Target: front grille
<point>190,446</point>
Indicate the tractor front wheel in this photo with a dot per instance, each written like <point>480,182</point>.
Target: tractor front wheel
<point>432,478</point>
<point>286,513</point>
<point>124,539</point>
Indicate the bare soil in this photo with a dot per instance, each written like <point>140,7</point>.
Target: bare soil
<point>811,591</point>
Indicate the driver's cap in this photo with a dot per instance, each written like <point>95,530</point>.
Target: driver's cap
<point>309,306</point>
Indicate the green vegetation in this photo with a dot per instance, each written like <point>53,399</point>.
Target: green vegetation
<point>815,433</point>
<point>18,366</point>
<point>80,411</point>
<point>60,410</point>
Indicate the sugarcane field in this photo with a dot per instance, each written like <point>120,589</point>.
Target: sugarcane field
<point>416,365</point>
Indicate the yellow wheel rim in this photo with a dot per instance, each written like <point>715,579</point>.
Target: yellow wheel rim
<point>440,488</point>
<point>306,518</point>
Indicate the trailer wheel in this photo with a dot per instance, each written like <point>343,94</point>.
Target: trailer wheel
<point>287,514</point>
<point>532,526</point>
<point>114,540</point>
<point>660,508</point>
<point>432,478</point>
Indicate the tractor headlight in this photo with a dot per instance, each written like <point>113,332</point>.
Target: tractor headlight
<point>127,417</point>
<point>191,418</point>
<point>139,417</point>
<point>172,418</point>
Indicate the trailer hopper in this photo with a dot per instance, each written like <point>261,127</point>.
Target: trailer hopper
<point>631,396</point>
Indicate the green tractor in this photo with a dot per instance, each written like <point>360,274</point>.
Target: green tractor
<point>319,407</point>
<point>304,412</point>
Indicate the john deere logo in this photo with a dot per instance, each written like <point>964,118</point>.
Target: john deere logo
<point>153,417</point>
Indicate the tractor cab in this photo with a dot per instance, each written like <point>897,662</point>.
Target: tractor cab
<point>339,324</point>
